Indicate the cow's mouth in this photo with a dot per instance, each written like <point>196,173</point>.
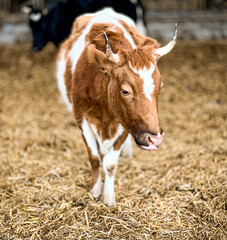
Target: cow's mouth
<point>148,141</point>
<point>149,146</point>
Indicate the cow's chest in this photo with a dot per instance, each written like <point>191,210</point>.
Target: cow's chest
<point>97,138</point>
<point>105,145</point>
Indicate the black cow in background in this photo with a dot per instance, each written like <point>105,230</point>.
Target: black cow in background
<point>53,22</point>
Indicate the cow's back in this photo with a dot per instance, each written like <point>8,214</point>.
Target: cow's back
<point>64,63</point>
<point>88,29</point>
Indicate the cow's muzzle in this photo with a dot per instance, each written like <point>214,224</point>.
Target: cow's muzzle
<point>149,141</point>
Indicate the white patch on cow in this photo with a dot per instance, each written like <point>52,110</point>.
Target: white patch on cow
<point>35,17</point>
<point>96,191</point>
<point>104,16</point>
<point>90,138</point>
<point>61,80</point>
<point>127,150</point>
<point>110,161</point>
<point>148,82</point>
<point>106,145</point>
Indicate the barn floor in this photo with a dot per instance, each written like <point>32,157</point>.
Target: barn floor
<point>177,192</point>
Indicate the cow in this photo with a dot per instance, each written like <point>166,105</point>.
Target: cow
<point>108,77</point>
<point>53,22</point>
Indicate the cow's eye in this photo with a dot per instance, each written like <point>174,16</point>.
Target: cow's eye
<point>124,92</point>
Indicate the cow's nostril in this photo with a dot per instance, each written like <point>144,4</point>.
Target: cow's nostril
<point>155,139</point>
<point>149,139</point>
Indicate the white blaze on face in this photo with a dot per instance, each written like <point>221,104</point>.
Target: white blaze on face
<point>148,82</point>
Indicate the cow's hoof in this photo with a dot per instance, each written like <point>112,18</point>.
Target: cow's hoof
<point>109,202</point>
<point>96,191</point>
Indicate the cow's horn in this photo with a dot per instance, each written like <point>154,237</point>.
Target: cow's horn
<point>109,53</point>
<point>26,9</point>
<point>167,48</point>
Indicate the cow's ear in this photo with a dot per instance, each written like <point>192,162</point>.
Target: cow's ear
<point>26,9</point>
<point>98,57</point>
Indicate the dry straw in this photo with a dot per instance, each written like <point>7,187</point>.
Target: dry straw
<point>178,192</point>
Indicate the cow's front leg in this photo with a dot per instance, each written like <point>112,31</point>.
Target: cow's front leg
<point>110,162</point>
<point>96,188</point>
<point>94,158</point>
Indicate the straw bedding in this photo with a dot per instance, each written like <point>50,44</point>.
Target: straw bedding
<point>177,192</point>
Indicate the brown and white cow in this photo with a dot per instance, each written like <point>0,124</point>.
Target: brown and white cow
<point>107,74</point>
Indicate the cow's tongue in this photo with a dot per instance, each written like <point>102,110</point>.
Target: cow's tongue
<point>150,147</point>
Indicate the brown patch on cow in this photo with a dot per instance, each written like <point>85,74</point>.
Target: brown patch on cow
<point>90,98</point>
<point>68,77</point>
<point>116,37</point>
<point>95,164</point>
<point>111,169</point>
<point>139,39</point>
<point>120,141</point>
<point>141,57</point>
<point>157,81</point>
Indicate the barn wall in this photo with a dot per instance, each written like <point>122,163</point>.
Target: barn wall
<point>197,19</point>
<point>184,5</point>
<point>150,5</point>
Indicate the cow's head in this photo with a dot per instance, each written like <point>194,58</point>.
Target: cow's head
<point>40,26</point>
<point>53,22</point>
<point>133,89</point>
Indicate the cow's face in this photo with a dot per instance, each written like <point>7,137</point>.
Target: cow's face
<point>133,95</point>
<point>39,25</point>
<point>133,90</point>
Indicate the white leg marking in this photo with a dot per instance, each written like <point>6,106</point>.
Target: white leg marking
<point>90,139</point>
<point>61,80</point>
<point>127,150</point>
<point>96,191</point>
<point>110,162</point>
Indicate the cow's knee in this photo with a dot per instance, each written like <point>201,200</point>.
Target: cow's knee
<point>95,163</point>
